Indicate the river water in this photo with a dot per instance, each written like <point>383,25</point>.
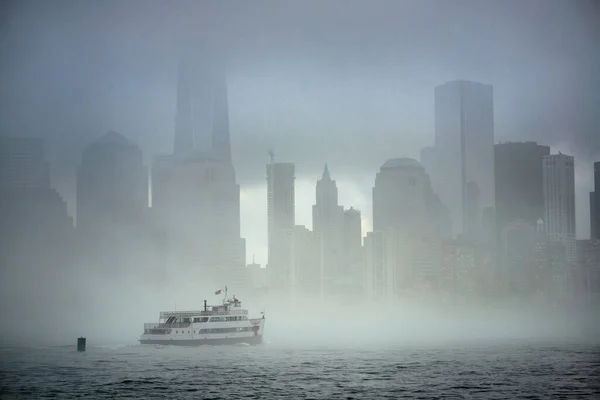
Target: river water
<point>495,370</point>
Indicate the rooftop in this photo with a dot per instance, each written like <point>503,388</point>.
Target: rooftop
<point>401,163</point>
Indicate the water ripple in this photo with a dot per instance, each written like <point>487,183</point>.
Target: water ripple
<point>511,371</point>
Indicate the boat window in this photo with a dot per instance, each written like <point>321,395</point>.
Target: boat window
<point>225,330</point>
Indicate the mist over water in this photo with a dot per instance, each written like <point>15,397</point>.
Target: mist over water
<point>112,311</point>
<point>150,151</point>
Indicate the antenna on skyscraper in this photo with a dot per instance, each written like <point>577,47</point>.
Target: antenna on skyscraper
<point>271,156</point>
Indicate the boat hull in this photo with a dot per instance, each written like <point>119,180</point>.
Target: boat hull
<point>253,340</point>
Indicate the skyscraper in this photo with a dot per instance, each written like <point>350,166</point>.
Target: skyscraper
<point>464,146</point>
<point>559,201</point>
<point>35,230</point>
<point>407,210</point>
<point>195,197</point>
<point>328,220</point>
<point>281,222</point>
<point>112,202</point>
<point>36,239</point>
<point>353,252</point>
<point>403,200</point>
<point>202,120</point>
<point>519,183</point>
<point>22,163</point>
<point>595,204</point>
<point>112,184</point>
<point>519,206</point>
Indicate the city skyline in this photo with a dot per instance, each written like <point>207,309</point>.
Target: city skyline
<point>354,100</point>
<point>336,156</point>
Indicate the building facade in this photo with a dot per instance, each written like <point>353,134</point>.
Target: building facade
<point>464,150</point>
<point>195,196</point>
<point>328,224</point>
<point>559,201</point>
<point>112,204</point>
<point>281,222</point>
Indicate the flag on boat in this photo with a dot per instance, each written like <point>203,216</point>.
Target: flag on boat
<point>218,292</point>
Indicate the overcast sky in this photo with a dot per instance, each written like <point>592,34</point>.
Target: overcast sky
<point>347,82</point>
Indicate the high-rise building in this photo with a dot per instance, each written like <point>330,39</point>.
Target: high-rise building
<point>379,271</point>
<point>281,221</point>
<point>112,203</point>
<point>202,119</point>
<point>403,200</point>
<point>390,260</point>
<point>353,252</point>
<point>559,201</point>
<point>328,223</point>
<point>196,202</point>
<point>588,263</point>
<point>466,269</point>
<point>112,185</point>
<point>464,147</point>
<point>518,242</point>
<point>413,221</point>
<point>36,233</point>
<point>519,183</point>
<point>595,204</point>
<point>519,205</point>
<point>195,197</point>
<point>306,274</point>
<point>22,163</point>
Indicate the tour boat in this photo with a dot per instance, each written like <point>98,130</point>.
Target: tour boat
<point>227,323</point>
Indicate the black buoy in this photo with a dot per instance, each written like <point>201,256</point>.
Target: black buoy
<point>81,344</point>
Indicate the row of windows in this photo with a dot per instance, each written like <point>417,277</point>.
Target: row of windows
<point>218,330</point>
<point>213,319</point>
<point>228,319</point>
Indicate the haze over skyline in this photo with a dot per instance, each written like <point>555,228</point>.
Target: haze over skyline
<point>344,83</point>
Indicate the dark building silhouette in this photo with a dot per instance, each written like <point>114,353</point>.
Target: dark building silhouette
<point>519,183</point>
<point>281,211</point>
<point>112,201</point>
<point>595,204</point>
<point>22,163</point>
<point>195,197</point>
<point>36,229</point>
<point>587,277</point>
<point>519,206</point>
<point>36,233</point>
<point>559,202</point>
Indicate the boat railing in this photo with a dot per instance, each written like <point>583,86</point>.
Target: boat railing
<point>235,311</point>
<point>175,325</point>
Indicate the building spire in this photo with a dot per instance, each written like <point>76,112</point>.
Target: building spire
<point>326,175</point>
<point>202,120</point>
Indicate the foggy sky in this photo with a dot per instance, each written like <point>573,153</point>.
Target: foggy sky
<point>344,82</point>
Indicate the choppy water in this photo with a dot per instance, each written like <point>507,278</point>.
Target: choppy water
<point>507,371</point>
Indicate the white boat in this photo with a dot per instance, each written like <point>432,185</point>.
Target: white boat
<point>227,323</point>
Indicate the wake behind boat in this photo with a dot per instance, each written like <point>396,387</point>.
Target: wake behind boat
<point>227,323</point>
